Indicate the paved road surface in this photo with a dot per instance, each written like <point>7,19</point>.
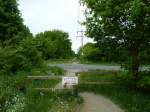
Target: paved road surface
<point>86,67</point>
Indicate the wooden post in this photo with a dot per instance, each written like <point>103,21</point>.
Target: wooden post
<point>75,90</point>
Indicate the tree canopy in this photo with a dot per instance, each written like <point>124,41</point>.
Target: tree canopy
<point>54,44</point>
<point>125,22</point>
<point>12,28</point>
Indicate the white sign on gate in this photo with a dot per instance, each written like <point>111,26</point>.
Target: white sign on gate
<point>69,81</point>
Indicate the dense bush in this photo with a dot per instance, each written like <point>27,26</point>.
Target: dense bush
<point>28,49</point>
<point>144,81</point>
<point>24,57</point>
<point>90,52</point>
<point>54,44</point>
<point>56,70</point>
<point>10,86</point>
<point>11,60</point>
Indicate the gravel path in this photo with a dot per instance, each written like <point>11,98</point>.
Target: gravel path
<point>97,103</point>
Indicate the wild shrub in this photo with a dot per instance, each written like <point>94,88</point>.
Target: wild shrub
<point>24,57</point>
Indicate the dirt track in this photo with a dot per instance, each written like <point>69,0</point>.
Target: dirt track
<point>97,103</point>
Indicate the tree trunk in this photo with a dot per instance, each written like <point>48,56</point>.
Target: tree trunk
<point>135,63</point>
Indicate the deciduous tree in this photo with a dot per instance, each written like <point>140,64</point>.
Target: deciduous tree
<point>125,22</point>
<point>54,44</point>
<point>12,28</point>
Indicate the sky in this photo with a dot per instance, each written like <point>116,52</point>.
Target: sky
<point>44,15</point>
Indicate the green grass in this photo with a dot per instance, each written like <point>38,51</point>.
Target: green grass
<point>48,101</point>
<point>18,94</point>
<point>97,76</point>
<point>65,103</point>
<point>129,99</point>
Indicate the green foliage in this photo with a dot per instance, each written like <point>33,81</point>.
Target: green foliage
<point>54,44</point>
<point>37,101</point>
<point>29,50</point>
<point>144,81</point>
<point>11,60</point>
<point>17,51</point>
<point>19,54</point>
<point>17,92</point>
<point>49,101</point>
<point>17,104</point>
<point>47,70</point>
<point>24,57</point>
<point>144,56</point>
<point>11,87</point>
<point>97,76</point>
<point>56,70</point>
<point>90,52</point>
<point>120,24</point>
<point>12,28</point>
<point>6,92</point>
<point>104,53</point>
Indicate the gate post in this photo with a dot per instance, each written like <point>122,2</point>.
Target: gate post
<point>75,90</point>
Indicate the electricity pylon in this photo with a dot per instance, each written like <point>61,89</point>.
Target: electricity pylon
<point>80,32</point>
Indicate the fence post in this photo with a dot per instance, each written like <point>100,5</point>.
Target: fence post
<point>75,90</point>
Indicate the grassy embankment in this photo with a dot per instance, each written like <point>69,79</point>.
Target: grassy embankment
<point>122,91</point>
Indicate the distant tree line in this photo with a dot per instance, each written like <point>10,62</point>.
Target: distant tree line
<point>104,53</point>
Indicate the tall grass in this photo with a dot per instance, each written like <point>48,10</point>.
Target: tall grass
<point>18,94</point>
